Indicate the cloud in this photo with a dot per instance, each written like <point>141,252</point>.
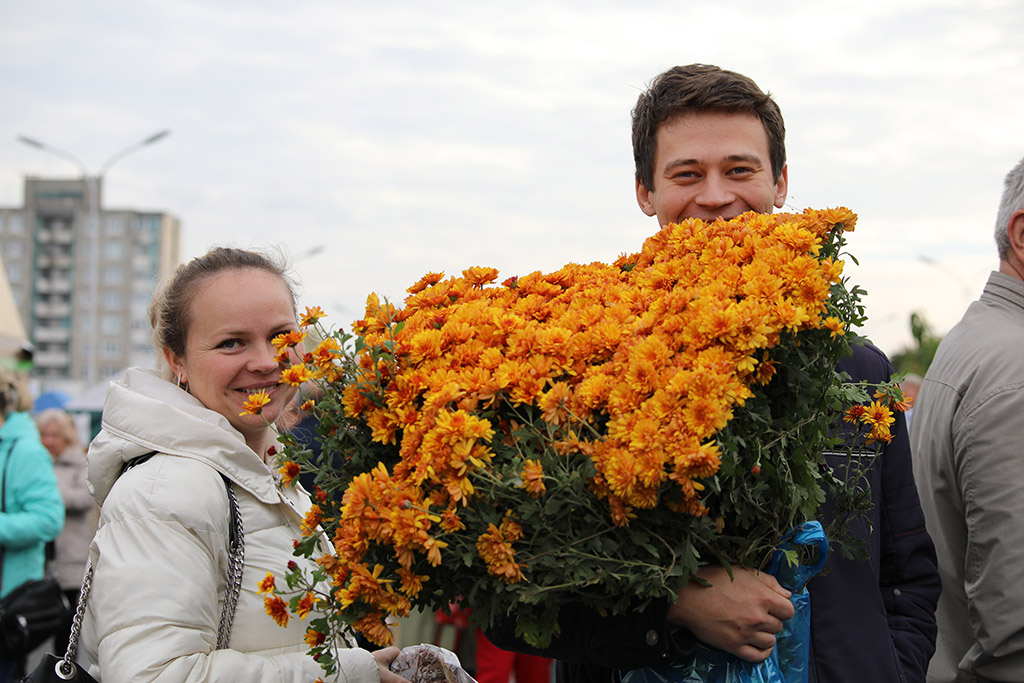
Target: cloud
<point>406,138</point>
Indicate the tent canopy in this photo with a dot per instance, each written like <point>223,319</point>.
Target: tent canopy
<point>12,332</point>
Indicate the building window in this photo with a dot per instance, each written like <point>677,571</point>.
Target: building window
<point>14,273</point>
<point>13,249</point>
<point>111,300</point>
<point>15,224</point>
<point>115,225</point>
<point>114,250</point>
<point>112,275</point>
<point>111,349</point>
<point>111,324</point>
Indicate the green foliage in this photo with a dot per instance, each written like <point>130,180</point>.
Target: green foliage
<point>917,358</point>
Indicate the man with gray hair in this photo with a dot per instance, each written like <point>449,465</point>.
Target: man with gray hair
<point>969,466</point>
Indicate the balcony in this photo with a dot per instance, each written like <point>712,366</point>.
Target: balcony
<point>48,309</point>
<point>51,335</point>
<point>51,359</point>
<point>53,286</point>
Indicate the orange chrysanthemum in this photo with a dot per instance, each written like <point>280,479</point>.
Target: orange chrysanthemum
<point>276,608</point>
<point>314,638</point>
<point>854,413</point>
<point>495,547</point>
<point>289,471</point>
<point>305,605</point>
<point>834,325</point>
<point>533,478</point>
<point>311,316</point>
<point>312,519</point>
<point>878,415</point>
<point>296,375</point>
<point>254,404</point>
<point>267,584</point>
<point>427,280</point>
<point>287,340</point>
<point>373,627</point>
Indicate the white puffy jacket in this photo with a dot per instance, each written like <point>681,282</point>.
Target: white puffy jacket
<point>160,555</point>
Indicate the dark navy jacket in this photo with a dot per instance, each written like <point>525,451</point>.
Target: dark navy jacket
<point>871,620</point>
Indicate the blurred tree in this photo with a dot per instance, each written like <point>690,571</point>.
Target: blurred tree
<point>916,359</point>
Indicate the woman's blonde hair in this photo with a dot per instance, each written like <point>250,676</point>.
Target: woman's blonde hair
<point>62,420</point>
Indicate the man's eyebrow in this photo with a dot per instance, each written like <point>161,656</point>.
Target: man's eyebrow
<point>748,158</point>
<point>732,158</point>
<point>682,162</point>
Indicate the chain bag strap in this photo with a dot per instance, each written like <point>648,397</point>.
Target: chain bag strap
<point>236,559</point>
<point>66,669</point>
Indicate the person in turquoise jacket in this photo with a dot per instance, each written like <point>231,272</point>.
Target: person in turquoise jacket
<point>33,511</point>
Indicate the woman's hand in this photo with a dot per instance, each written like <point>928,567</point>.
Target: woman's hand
<point>384,658</point>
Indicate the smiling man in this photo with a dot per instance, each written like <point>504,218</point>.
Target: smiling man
<point>710,143</point>
<point>711,164</point>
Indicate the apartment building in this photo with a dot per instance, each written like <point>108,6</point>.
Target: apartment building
<point>82,275</point>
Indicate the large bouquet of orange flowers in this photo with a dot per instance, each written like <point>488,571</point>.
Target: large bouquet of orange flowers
<point>587,436</point>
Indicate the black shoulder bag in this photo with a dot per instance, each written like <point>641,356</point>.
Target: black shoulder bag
<point>54,669</point>
<point>33,611</point>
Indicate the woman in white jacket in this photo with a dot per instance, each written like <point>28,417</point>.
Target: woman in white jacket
<point>160,556</point>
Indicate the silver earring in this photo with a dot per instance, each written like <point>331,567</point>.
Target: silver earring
<point>179,382</point>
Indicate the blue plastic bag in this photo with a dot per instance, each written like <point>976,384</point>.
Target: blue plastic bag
<point>709,665</point>
<point>789,660</point>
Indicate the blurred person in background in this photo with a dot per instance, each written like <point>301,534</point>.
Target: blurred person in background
<point>33,512</point>
<point>302,424</point>
<point>910,386</point>
<point>495,665</point>
<point>81,514</point>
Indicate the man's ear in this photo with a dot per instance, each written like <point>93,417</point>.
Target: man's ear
<point>782,187</point>
<point>1015,231</point>
<point>643,198</point>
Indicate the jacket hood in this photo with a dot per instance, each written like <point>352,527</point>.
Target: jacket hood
<point>144,413</point>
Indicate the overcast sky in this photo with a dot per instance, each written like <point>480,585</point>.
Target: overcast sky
<point>403,137</point>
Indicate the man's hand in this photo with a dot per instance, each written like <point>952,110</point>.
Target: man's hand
<point>740,616</point>
<point>384,658</point>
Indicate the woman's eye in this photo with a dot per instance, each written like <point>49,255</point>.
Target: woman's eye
<point>230,344</point>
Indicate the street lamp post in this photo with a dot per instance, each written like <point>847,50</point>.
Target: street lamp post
<point>965,288</point>
<point>92,188</point>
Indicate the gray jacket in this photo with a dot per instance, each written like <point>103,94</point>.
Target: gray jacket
<point>967,438</point>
